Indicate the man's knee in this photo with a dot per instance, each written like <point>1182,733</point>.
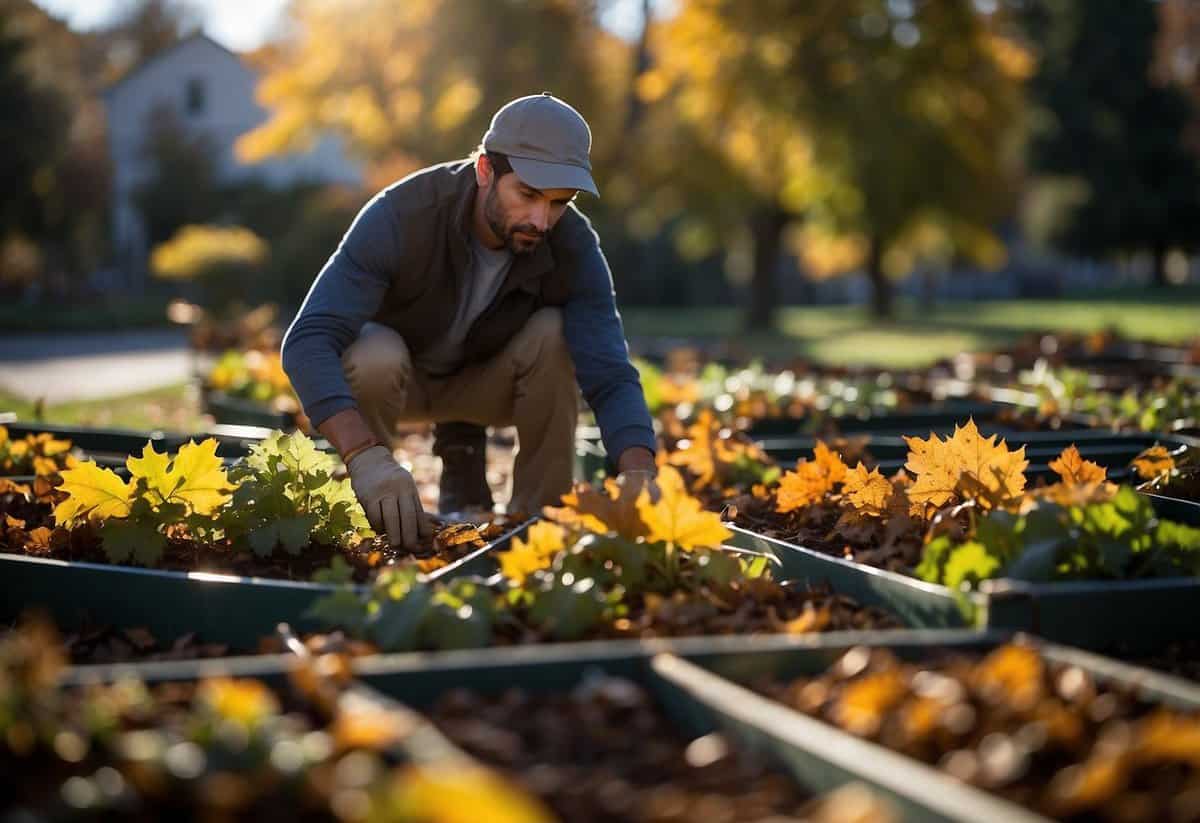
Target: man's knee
<point>543,332</point>
<point>378,358</point>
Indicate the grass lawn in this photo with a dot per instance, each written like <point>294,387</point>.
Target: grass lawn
<point>848,334</point>
<point>174,408</point>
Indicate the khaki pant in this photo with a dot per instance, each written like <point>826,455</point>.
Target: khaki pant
<point>529,384</point>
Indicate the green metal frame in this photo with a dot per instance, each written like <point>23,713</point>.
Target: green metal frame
<point>1134,615</point>
<point>220,608</point>
<point>698,683</point>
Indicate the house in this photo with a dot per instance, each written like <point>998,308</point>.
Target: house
<point>210,91</point>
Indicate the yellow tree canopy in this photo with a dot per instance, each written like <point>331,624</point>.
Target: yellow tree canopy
<point>417,82</point>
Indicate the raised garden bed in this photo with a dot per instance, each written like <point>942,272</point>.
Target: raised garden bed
<point>297,741</point>
<point>694,685</point>
<point>233,553</point>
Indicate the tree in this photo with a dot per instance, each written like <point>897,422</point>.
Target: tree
<point>183,187</point>
<point>880,125</point>
<point>33,129</point>
<point>1109,144</point>
<point>416,83</point>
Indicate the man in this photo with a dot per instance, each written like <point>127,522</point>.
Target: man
<point>472,293</point>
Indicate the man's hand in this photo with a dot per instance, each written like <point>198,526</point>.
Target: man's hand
<point>389,496</point>
<point>636,468</point>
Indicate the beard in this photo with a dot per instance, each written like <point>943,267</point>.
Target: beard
<point>498,222</point>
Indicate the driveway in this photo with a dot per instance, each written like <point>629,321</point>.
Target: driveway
<point>66,367</point>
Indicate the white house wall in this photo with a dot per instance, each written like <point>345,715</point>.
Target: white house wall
<point>229,111</point>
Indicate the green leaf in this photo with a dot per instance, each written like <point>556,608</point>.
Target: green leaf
<point>756,567</point>
<point>568,608</point>
<point>1037,561</point>
<point>969,562</point>
<point>290,533</point>
<point>396,625</point>
<point>127,540</point>
<point>460,617</point>
<point>717,567</point>
<point>343,609</point>
<point>933,559</point>
<point>338,572</point>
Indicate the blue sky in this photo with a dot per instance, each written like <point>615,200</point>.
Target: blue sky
<point>245,24</point>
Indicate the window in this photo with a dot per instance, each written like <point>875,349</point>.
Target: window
<point>196,98</point>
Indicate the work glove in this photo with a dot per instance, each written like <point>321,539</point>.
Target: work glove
<point>388,495</point>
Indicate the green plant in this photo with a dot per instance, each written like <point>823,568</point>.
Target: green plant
<point>1116,539</point>
<point>282,496</point>
<point>163,495</point>
<point>612,555</point>
<point>287,498</point>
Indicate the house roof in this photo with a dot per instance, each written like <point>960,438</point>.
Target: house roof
<point>150,61</point>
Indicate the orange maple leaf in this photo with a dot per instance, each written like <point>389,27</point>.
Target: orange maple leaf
<point>1075,471</point>
<point>1154,462</point>
<point>611,509</point>
<point>869,492</point>
<point>811,480</point>
<point>966,465</point>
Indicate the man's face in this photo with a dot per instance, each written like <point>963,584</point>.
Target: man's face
<point>520,215</point>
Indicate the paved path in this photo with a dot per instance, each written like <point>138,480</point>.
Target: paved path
<point>65,367</point>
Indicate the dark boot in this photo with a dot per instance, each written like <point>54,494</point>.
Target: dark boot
<point>463,449</point>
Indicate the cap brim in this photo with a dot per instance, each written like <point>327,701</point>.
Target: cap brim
<point>543,175</point>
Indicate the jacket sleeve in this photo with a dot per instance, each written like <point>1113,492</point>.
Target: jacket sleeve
<point>596,340</point>
<point>346,293</point>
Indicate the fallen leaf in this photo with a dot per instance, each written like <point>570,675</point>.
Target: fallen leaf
<point>1154,462</point>
<point>1074,470</point>
<point>677,517</point>
<point>869,492</point>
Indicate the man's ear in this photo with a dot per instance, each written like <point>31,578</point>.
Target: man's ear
<point>484,173</point>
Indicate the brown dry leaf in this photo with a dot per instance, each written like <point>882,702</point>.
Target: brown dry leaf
<point>869,492</point>
<point>811,480</point>
<point>613,509</point>
<point>1075,471</point>
<point>1154,462</point>
<point>37,541</point>
<point>7,486</point>
<point>967,465</point>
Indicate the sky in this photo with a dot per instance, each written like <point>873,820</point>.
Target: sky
<point>243,25</point>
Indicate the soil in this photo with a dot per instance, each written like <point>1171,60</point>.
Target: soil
<point>607,752</point>
<point>449,543</point>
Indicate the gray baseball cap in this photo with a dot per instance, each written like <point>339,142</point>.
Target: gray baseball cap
<point>546,141</point>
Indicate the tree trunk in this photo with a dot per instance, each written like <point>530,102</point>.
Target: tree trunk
<point>1160,265</point>
<point>881,287</point>
<point>766,226</point>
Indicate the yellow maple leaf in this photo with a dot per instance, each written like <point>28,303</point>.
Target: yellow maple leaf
<point>677,518</point>
<point>545,541</point>
<point>456,792</point>
<point>1075,471</point>
<point>1154,462</point>
<point>152,467</point>
<point>611,509</point>
<point>197,477</point>
<point>965,465</point>
<point>811,480</point>
<point>869,492</point>
<point>93,494</point>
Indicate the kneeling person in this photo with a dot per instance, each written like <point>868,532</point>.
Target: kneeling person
<point>472,293</point>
